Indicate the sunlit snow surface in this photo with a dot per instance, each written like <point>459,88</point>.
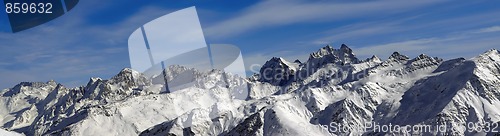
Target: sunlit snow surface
<point>9,133</point>
<point>398,90</point>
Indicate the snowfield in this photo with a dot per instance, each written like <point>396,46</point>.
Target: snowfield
<point>332,93</point>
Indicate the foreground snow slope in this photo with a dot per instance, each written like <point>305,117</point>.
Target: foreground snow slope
<point>9,133</point>
<point>333,89</point>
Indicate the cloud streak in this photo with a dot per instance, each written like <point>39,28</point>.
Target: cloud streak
<point>279,12</point>
<point>467,44</point>
<point>489,29</point>
<point>464,44</point>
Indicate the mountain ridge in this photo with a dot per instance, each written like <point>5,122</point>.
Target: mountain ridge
<point>285,98</point>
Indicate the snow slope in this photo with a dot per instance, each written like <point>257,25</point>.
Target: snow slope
<point>333,89</point>
<point>9,133</point>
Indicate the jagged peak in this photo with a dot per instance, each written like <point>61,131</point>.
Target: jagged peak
<point>329,55</point>
<point>344,46</point>
<point>277,66</point>
<point>19,87</point>
<point>328,47</point>
<point>52,81</point>
<point>297,61</point>
<point>421,57</point>
<point>321,52</point>
<point>345,49</point>
<point>423,60</point>
<point>274,60</point>
<point>94,80</point>
<point>129,76</point>
<point>126,71</point>
<point>395,54</point>
<point>426,57</point>
<point>491,52</point>
<point>374,58</point>
<point>37,84</point>
<point>277,61</point>
<point>398,56</point>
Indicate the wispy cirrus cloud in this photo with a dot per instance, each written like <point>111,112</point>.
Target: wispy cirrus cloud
<point>69,49</point>
<point>459,44</point>
<point>449,37</point>
<point>280,12</point>
<point>466,43</point>
<point>489,29</point>
<point>77,47</point>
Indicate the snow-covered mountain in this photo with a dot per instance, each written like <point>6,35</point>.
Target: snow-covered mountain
<point>332,93</point>
<point>9,133</point>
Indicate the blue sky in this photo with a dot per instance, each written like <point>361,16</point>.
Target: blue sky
<point>91,40</point>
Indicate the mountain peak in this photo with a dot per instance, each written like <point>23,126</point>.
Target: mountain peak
<point>423,60</point>
<point>492,52</point>
<point>95,79</point>
<point>277,59</point>
<point>127,70</point>
<point>327,54</point>
<point>345,49</point>
<point>130,77</point>
<point>124,74</point>
<point>374,58</point>
<point>328,47</point>
<point>425,57</point>
<point>343,46</point>
<point>37,84</point>
<point>297,61</point>
<point>27,86</point>
<point>398,56</point>
<point>277,71</point>
<point>422,56</point>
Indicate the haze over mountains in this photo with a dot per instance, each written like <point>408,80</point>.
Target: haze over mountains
<point>285,98</point>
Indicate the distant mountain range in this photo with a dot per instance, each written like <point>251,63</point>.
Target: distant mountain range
<point>333,92</point>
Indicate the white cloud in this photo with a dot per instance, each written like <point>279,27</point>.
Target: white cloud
<point>454,45</point>
<point>450,46</point>
<point>355,32</point>
<point>68,49</point>
<point>489,29</point>
<point>280,12</point>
